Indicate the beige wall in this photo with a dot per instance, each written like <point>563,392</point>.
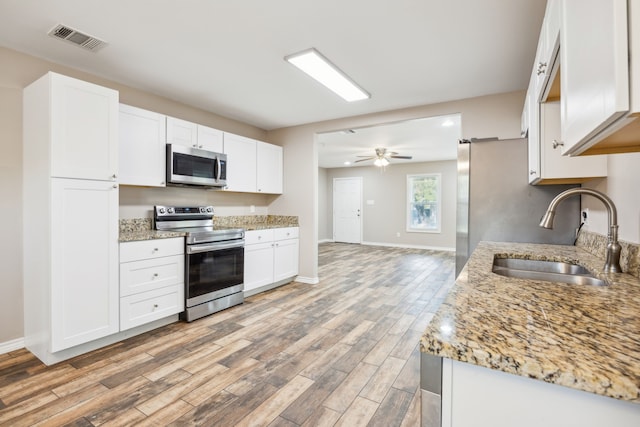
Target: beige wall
<point>387,215</point>
<point>16,72</point>
<point>324,232</point>
<point>497,115</point>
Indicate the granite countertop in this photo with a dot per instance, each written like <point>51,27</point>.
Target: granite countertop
<point>584,337</point>
<point>136,229</point>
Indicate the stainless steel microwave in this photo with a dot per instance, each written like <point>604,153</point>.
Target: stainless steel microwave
<point>194,166</point>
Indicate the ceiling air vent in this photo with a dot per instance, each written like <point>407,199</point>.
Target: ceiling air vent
<point>77,38</point>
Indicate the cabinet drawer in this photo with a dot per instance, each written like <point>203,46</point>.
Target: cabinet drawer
<point>258,236</point>
<point>285,233</point>
<point>150,274</point>
<point>146,249</point>
<point>138,309</point>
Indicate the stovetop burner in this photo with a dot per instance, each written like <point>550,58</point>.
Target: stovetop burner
<point>195,221</point>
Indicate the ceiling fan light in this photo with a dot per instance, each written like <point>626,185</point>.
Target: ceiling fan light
<point>381,161</point>
<point>320,68</point>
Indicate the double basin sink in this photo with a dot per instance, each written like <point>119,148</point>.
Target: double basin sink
<point>551,271</point>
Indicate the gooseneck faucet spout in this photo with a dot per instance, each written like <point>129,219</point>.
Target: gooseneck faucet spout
<point>612,263</point>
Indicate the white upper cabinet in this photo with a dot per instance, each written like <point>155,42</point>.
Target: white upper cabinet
<point>269,168</point>
<point>193,135</point>
<point>547,63</point>
<point>553,167</point>
<point>253,166</point>
<point>182,132</point>
<point>595,78</point>
<point>241,162</point>
<point>210,139</point>
<point>142,147</point>
<point>84,129</point>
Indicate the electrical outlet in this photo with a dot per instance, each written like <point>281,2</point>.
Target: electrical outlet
<point>584,216</point>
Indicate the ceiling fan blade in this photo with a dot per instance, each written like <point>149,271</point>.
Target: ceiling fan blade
<point>401,157</point>
<point>371,157</point>
<point>364,160</point>
<point>391,153</point>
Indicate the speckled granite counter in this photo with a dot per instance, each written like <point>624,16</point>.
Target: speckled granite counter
<point>142,228</point>
<point>584,337</point>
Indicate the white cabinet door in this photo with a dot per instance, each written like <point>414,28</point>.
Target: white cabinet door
<point>210,139</point>
<point>534,133</point>
<point>182,132</point>
<point>269,168</point>
<point>285,259</point>
<point>84,129</point>
<point>142,147</point>
<point>595,74</point>
<point>258,265</point>
<point>84,261</point>
<point>554,165</point>
<point>241,163</point>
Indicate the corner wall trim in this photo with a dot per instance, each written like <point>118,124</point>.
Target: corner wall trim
<point>7,346</point>
<point>308,280</point>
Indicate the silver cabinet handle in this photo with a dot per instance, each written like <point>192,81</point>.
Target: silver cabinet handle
<point>114,176</point>
<point>555,144</point>
<point>115,185</point>
<point>532,172</point>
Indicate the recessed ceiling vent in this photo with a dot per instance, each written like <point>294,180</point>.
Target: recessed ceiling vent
<point>70,35</point>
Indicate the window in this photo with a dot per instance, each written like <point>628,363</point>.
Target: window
<point>423,203</point>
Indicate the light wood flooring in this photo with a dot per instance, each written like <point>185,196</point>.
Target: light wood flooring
<point>343,352</point>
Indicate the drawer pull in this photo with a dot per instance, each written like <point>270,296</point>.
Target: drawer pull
<point>155,275</point>
<point>155,306</point>
<point>155,249</point>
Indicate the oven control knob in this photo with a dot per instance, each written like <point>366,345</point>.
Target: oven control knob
<point>209,209</point>
<point>170,210</point>
<point>161,210</point>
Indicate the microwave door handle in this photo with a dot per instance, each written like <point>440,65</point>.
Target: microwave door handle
<point>217,169</point>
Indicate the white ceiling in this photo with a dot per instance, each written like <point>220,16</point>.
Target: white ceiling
<point>226,56</point>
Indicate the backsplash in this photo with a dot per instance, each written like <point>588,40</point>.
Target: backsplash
<point>135,225</point>
<point>240,220</point>
<point>596,244</point>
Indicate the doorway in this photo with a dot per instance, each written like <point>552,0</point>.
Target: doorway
<point>347,210</point>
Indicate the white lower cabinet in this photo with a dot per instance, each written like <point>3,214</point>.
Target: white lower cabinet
<point>270,258</point>
<point>151,280</point>
<point>478,396</point>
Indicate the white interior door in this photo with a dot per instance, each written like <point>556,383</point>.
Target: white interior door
<point>347,210</point>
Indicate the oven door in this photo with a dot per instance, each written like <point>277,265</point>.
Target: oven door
<point>213,270</point>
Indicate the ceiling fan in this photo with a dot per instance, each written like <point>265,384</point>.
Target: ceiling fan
<point>382,157</point>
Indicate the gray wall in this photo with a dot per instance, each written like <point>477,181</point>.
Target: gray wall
<point>387,216</point>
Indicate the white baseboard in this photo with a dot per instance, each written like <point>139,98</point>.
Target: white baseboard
<point>396,245</point>
<point>325,241</point>
<point>7,346</point>
<point>308,280</point>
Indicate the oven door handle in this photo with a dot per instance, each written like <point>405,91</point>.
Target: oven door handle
<point>196,249</point>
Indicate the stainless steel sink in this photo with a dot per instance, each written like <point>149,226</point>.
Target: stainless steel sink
<point>551,271</point>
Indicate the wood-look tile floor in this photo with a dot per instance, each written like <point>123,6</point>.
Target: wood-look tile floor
<point>343,352</point>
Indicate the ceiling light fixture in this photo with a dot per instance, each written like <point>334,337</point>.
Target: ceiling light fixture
<point>320,68</point>
<point>381,161</point>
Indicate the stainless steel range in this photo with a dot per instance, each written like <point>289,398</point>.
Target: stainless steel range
<point>214,264</point>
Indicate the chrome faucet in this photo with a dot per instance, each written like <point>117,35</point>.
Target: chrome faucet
<point>612,263</point>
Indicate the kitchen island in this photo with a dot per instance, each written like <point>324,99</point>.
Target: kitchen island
<point>585,338</point>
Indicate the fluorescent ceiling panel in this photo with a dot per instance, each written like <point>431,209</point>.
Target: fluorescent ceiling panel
<point>320,68</point>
